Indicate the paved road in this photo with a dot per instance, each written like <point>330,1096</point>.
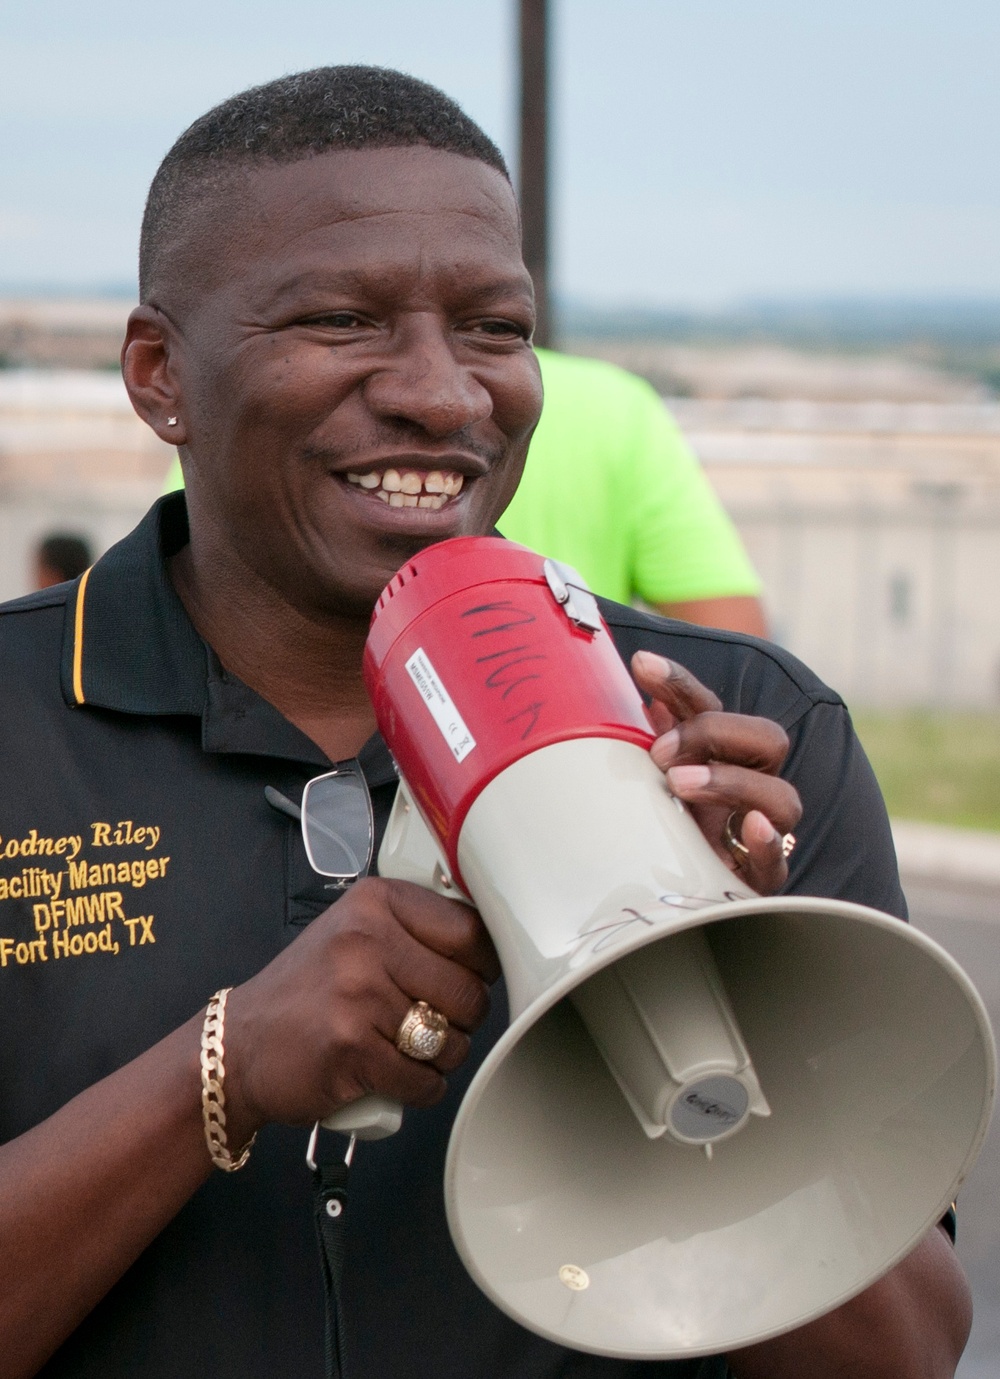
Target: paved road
<point>966,921</point>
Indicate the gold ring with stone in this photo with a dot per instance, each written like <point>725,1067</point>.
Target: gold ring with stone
<point>423,1033</point>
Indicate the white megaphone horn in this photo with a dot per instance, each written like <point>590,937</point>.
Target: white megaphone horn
<point>714,1116</point>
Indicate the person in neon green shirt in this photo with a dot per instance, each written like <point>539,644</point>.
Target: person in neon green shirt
<point>612,488</point>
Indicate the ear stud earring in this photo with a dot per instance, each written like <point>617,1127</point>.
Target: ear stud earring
<point>171,421</point>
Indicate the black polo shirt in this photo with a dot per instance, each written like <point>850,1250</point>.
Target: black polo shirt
<point>141,869</point>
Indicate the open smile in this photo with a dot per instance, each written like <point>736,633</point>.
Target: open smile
<point>410,488</point>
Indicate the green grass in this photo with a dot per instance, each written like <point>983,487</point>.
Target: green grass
<point>939,767</point>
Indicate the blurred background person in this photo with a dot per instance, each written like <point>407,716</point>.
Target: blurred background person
<point>612,488</point>
<point>60,557</point>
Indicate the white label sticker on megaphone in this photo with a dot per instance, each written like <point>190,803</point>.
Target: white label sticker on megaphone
<point>442,707</point>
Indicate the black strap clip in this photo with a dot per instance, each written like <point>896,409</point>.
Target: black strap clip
<point>329,1213</point>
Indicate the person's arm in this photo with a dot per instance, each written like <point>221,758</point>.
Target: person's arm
<point>83,1193</point>
<point>912,1324</point>
<point>687,558</point>
<point>735,613</point>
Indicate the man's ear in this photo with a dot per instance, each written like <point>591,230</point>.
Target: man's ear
<point>149,378</point>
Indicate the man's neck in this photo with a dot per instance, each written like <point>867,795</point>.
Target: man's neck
<point>308,668</point>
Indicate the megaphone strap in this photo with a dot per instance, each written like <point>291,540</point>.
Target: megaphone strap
<point>329,1214</point>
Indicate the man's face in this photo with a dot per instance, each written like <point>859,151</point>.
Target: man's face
<point>357,380</point>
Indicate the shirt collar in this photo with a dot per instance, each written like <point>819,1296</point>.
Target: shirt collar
<point>129,646</point>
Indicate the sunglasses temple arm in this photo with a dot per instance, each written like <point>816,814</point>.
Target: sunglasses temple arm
<point>282,803</point>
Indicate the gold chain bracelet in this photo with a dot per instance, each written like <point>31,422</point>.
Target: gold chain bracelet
<point>213,1075</point>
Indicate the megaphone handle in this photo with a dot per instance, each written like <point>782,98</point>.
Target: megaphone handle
<point>369,1118</point>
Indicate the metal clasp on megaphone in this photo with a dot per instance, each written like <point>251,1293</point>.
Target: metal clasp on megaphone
<point>571,592</point>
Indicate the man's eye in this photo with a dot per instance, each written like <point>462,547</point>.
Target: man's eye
<point>336,320</point>
<point>502,329</point>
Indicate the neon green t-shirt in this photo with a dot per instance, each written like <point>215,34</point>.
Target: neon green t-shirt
<point>612,488</point>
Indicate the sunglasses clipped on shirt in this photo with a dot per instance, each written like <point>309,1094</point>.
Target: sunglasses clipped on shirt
<point>337,824</point>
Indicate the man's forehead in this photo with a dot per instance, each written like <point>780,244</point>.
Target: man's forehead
<point>337,220</point>
<point>353,184</point>
<point>276,221</point>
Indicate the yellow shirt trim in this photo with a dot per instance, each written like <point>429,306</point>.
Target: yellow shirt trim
<point>78,640</point>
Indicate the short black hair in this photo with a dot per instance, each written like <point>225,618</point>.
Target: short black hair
<point>292,118</point>
<point>64,554</point>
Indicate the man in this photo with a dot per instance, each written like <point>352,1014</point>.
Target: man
<point>334,313</point>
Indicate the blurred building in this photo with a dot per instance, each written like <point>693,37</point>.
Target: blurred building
<point>73,457</point>
<point>876,530</point>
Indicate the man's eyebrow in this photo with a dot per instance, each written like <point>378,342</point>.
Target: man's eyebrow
<point>513,285</point>
<point>377,281</point>
<point>326,280</point>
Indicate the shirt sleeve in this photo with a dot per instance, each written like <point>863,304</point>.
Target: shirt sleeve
<point>845,848</point>
<point>685,545</point>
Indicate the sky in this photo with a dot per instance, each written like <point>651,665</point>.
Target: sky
<point>705,151</point>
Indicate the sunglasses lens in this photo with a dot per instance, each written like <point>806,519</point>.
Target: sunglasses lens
<point>337,824</point>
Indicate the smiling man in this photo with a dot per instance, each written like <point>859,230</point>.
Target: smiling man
<point>335,329</point>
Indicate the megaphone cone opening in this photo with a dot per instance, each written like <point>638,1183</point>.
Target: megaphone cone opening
<point>878,1062</point>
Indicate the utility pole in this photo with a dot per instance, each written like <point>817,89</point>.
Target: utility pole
<point>534,170</point>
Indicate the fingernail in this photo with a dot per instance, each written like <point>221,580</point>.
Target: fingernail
<point>666,747</point>
<point>684,778</point>
<point>653,664</point>
<point>757,828</point>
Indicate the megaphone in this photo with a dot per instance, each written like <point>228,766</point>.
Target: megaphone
<point>714,1116</point>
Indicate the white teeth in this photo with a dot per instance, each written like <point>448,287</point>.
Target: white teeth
<point>410,488</point>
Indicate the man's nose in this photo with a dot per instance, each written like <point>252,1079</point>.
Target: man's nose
<point>423,382</point>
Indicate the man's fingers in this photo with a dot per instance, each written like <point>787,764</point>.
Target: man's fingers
<point>722,765</point>
<point>671,684</point>
<point>461,996</point>
<point>764,867</point>
<point>757,743</point>
<point>454,1050</point>
<point>738,788</point>
<point>404,1079</point>
<point>660,717</point>
<point>446,927</point>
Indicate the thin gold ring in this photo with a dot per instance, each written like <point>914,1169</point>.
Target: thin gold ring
<point>423,1033</point>
<point>738,849</point>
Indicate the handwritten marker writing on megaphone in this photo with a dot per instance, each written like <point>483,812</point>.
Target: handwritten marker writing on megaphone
<point>714,1116</point>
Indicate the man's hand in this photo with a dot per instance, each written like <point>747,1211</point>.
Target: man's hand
<point>721,764</point>
<point>316,1028</point>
